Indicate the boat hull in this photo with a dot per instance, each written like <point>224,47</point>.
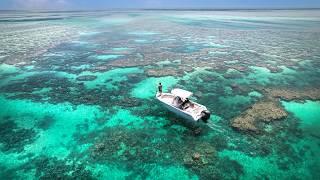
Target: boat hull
<point>188,118</point>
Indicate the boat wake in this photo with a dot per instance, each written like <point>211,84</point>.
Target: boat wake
<point>226,135</point>
<point>215,127</point>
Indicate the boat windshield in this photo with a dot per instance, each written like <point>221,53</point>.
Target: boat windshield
<point>177,101</point>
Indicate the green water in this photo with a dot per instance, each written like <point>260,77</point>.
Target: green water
<point>77,94</point>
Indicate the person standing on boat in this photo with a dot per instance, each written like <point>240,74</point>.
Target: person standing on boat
<point>160,88</point>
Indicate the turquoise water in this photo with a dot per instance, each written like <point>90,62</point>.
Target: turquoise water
<point>77,94</point>
<point>308,113</point>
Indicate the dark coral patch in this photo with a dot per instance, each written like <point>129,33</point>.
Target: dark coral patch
<point>45,123</point>
<point>14,138</point>
<point>53,168</point>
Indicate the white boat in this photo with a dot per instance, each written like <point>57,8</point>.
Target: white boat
<point>178,102</point>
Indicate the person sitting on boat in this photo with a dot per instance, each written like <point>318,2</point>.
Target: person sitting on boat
<point>185,103</point>
<point>160,89</point>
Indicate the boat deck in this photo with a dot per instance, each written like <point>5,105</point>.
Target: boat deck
<point>192,108</point>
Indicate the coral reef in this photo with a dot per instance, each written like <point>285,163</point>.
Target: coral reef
<point>14,138</point>
<point>163,72</point>
<point>265,111</point>
<point>268,109</point>
<point>168,71</point>
<point>8,173</point>
<point>132,136</point>
<point>45,123</point>
<point>200,156</point>
<point>86,78</point>
<point>54,168</point>
<point>129,102</point>
<point>62,89</point>
<point>48,35</point>
<point>139,148</point>
<point>293,94</point>
<point>117,140</point>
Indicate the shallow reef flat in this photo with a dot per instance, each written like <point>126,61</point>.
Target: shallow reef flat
<point>77,88</point>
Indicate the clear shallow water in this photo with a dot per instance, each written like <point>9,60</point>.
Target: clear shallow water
<point>77,94</point>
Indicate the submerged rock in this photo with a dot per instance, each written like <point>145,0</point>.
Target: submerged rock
<point>196,156</point>
<point>197,131</point>
<point>265,111</point>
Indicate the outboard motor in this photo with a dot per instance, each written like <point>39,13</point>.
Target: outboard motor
<point>205,115</point>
